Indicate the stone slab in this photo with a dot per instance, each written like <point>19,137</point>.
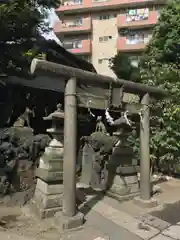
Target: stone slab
<point>48,188</point>
<point>122,198</point>
<point>65,223</point>
<point>42,213</point>
<point>154,222</point>
<point>173,232</point>
<point>12,236</point>
<point>161,237</point>
<point>126,221</point>
<point>125,180</point>
<point>170,209</point>
<point>22,132</point>
<point>106,226</point>
<point>88,233</point>
<point>145,203</point>
<point>46,162</point>
<point>48,201</point>
<point>48,176</point>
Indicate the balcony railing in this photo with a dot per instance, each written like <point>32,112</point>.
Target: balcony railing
<point>73,26</point>
<point>78,46</point>
<point>87,5</point>
<point>134,21</point>
<point>125,44</point>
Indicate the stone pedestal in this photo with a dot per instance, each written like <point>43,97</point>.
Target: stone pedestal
<point>22,132</point>
<point>123,171</point>
<point>48,196</point>
<point>49,189</point>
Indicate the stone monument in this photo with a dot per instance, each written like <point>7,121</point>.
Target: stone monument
<point>48,197</point>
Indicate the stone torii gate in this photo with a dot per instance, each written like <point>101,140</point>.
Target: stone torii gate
<point>70,217</point>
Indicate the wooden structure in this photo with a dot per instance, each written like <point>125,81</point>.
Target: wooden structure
<point>76,84</point>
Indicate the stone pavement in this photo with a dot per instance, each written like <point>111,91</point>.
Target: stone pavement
<point>127,221</point>
<point>108,219</point>
<point>105,222</point>
<point>117,224</point>
<point>7,236</point>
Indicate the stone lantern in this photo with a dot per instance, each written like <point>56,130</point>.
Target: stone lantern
<point>122,170</point>
<point>48,197</point>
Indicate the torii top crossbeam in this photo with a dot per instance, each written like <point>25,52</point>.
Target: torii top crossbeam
<point>86,77</point>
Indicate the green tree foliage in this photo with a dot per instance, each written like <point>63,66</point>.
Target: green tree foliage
<point>20,22</point>
<point>122,66</point>
<point>160,67</point>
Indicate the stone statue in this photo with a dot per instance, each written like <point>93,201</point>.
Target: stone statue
<point>102,144</point>
<point>59,107</point>
<point>100,127</point>
<point>24,118</point>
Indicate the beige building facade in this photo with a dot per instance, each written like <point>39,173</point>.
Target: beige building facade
<point>97,29</point>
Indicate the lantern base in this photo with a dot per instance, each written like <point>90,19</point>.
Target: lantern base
<point>48,199</point>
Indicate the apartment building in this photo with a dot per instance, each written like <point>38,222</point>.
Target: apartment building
<point>97,29</point>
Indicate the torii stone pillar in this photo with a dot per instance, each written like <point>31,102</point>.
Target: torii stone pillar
<point>145,199</point>
<point>70,217</point>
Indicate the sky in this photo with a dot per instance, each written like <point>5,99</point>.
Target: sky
<point>52,18</point>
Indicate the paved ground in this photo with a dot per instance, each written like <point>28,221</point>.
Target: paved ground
<point>106,219</point>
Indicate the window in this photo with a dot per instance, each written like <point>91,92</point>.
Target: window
<point>78,22</point>
<point>72,44</point>
<point>135,38</point>
<point>137,14</point>
<point>105,38</point>
<point>106,17</point>
<point>74,2</point>
<point>72,23</point>
<point>103,60</point>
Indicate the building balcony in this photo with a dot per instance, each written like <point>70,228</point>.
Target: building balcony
<point>71,27</point>
<point>77,6</point>
<point>79,47</point>
<point>124,45</point>
<point>127,21</point>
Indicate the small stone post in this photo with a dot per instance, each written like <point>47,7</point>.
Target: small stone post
<point>48,195</point>
<point>70,217</point>
<point>145,199</point>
